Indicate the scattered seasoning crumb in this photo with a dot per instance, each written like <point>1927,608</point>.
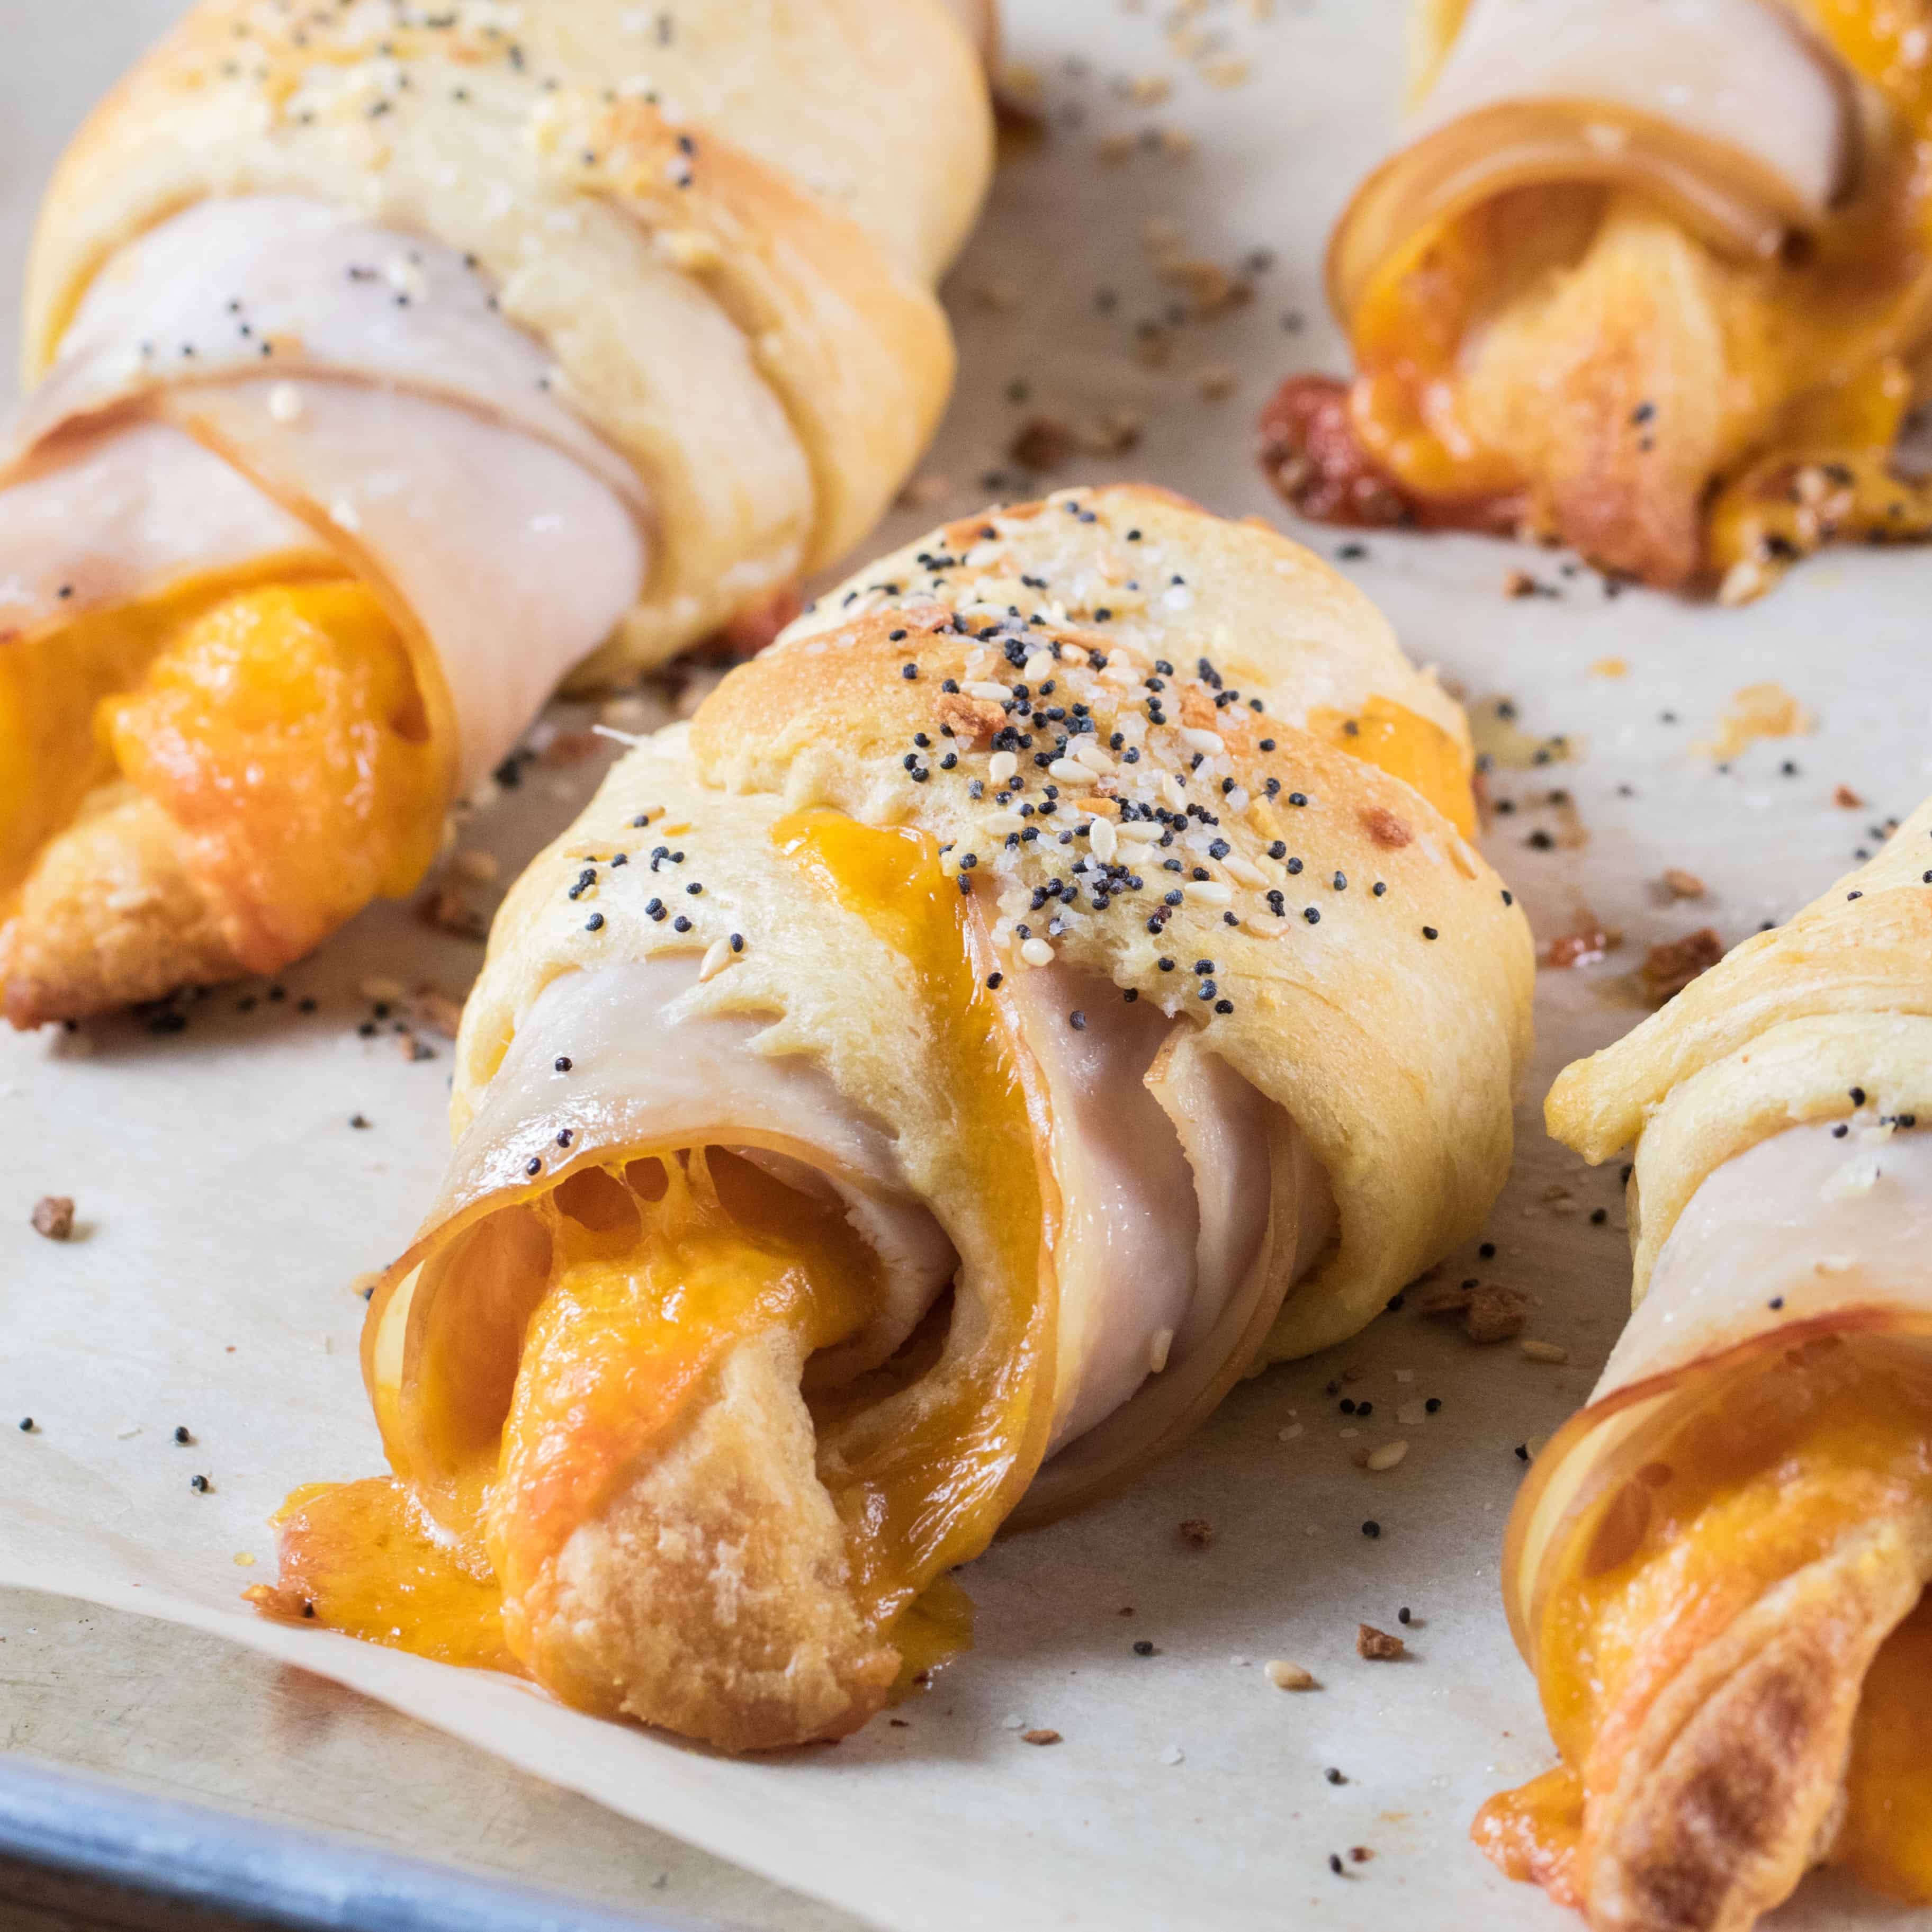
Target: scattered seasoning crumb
<point>1286,1676</point>
<point>1360,1854</point>
<point>1543,1351</point>
<point>1682,885</point>
<point>1584,947</point>
<point>1371,1529</point>
<point>1670,967</point>
<point>184,1435</point>
<point>1519,583</point>
<point>53,1216</point>
<point>437,1011</point>
<point>1491,1312</point>
<point>1040,1737</point>
<point>447,910</point>
<point>1496,1313</point>
<point>358,1120</point>
<point>1335,1775</point>
<point>1402,1616</point>
<point>1042,443</point>
<point>1197,1530</point>
<point>200,1485</point>
<point>26,1425</point>
<point>1378,1646</point>
<point>1385,828</point>
<point>1386,1455</point>
<point>1847,800</point>
<point>1143,1646</point>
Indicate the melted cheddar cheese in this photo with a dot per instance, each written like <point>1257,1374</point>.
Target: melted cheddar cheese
<point>1824,349</point>
<point>279,725</point>
<point>1407,746</point>
<point>1760,1481</point>
<point>568,1337</point>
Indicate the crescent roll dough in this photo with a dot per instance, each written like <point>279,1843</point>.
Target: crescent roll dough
<point>1651,279</point>
<point>1718,1569</point>
<point>1048,982</point>
<point>388,366</point>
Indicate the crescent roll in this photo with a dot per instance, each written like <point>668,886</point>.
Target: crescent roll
<point>1653,281</point>
<point>1718,1569</point>
<point>905,1101</point>
<point>386,367</point>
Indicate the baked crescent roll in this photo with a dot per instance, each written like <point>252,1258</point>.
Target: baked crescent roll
<point>386,367</point>
<point>1718,1569</point>
<point>907,1100</point>
<point>1653,281</point>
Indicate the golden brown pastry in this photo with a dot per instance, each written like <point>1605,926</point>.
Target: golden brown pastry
<point>1048,982</point>
<point>1653,281</point>
<point>1718,1569</point>
<point>388,366</point>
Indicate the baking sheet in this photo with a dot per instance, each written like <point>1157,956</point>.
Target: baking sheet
<point>226,1203</point>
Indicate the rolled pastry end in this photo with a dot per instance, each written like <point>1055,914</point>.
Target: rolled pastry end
<point>712,1595</point>
<point>222,776</point>
<point>111,915</point>
<point>1637,284</point>
<point>1720,1570</point>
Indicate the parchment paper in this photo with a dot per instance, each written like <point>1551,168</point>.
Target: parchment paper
<point>226,1203</point>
